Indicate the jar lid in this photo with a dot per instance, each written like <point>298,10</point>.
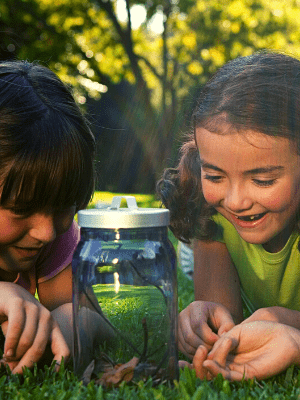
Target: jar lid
<point>115,217</point>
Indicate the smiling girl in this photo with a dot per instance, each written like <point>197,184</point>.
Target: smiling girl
<point>236,193</point>
<point>46,176</point>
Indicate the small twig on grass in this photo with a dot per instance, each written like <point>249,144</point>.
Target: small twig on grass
<point>145,350</point>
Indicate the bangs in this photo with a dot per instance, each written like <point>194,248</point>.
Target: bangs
<point>52,170</point>
<point>259,93</point>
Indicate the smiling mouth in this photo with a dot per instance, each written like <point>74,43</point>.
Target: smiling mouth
<point>251,218</point>
<point>27,252</point>
<point>28,248</point>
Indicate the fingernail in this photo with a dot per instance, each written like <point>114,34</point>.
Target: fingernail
<point>9,353</point>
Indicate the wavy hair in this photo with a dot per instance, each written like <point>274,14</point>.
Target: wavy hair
<point>259,93</point>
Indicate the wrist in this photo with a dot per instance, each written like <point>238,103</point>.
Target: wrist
<point>295,334</point>
<point>264,314</point>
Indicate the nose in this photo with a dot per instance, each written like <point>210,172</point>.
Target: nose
<point>237,199</point>
<point>42,227</point>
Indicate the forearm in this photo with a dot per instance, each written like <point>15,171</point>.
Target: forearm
<point>63,315</point>
<point>215,277</point>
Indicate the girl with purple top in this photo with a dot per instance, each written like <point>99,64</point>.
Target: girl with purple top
<point>46,176</point>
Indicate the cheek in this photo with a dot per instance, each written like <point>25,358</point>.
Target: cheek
<point>63,223</point>
<point>211,193</point>
<point>10,231</point>
<point>281,198</point>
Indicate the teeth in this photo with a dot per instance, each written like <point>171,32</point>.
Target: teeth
<point>250,217</point>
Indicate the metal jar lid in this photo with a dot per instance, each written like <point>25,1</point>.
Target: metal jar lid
<point>115,217</point>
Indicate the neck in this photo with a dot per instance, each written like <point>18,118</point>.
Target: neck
<point>279,241</point>
<point>6,276</point>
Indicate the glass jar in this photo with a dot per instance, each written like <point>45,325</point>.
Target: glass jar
<point>125,291</point>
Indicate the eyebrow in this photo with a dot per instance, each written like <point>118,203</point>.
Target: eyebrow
<point>261,170</point>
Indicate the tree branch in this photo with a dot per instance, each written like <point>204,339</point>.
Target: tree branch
<point>151,67</point>
<point>126,41</point>
<point>129,17</point>
<point>166,11</point>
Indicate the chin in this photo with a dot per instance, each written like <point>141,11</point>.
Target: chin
<point>253,239</point>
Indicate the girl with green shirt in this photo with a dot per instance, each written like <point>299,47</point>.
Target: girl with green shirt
<point>236,193</point>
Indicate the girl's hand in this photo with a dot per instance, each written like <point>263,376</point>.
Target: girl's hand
<point>28,326</point>
<point>202,323</point>
<point>258,349</point>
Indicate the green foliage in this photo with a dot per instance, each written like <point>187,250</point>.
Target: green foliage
<point>90,48</point>
<point>185,290</point>
<point>46,384</point>
<point>126,309</point>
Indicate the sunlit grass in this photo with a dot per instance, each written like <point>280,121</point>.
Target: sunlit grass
<point>126,310</point>
<point>143,200</point>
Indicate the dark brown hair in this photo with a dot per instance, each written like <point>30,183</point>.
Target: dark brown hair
<point>259,93</point>
<point>46,145</point>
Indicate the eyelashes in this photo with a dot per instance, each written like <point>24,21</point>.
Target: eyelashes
<point>213,178</point>
<point>267,183</point>
<point>258,182</point>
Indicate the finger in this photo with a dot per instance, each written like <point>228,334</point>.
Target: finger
<point>27,337</point>
<point>185,347</point>
<point>220,351</point>
<point>36,351</point>
<point>4,327</point>
<point>182,364</point>
<point>208,337</point>
<point>59,346</point>
<point>225,327</point>
<point>11,364</point>
<point>214,369</point>
<point>15,325</point>
<point>188,344</point>
<point>224,321</point>
<point>199,358</point>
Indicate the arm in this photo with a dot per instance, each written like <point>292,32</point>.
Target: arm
<point>218,302</point>
<point>56,291</point>
<point>216,278</point>
<point>56,295</point>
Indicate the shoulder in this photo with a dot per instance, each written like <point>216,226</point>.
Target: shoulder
<point>225,230</point>
<point>64,243</point>
<point>58,255</point>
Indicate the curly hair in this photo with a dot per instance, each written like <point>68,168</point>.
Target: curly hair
<point>259,93</point>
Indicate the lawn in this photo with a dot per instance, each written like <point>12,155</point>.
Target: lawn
<point>126,309</point>
<point>44,383</point>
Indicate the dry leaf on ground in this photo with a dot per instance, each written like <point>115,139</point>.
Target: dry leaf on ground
<point>118,374</point>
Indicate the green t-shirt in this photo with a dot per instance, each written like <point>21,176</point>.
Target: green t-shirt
<point>267,279</point>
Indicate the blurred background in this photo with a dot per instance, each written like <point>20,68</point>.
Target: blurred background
<point>136,67</point>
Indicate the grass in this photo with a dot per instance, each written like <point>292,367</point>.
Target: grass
<point>126,309</point>
<point>44,383</point>
<point>143,200</point>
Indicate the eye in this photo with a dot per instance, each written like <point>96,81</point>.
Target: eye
<point>213,178</point>
<point>66,212</point>
<point>21,213</point>
<point>263,183</point>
